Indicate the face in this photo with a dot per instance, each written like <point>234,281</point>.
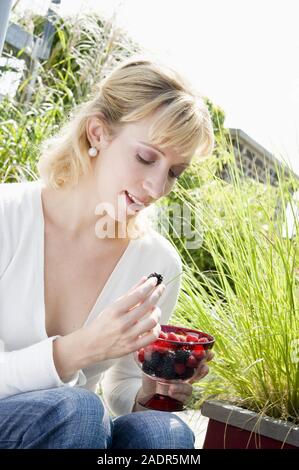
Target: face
<point>131,170</point>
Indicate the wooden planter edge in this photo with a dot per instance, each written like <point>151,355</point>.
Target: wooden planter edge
<point>250,421</point>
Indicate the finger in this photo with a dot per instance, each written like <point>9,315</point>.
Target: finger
<point>145,308</point>
<point>141,281</point>
<point>209,356</point>
<point>136,296</point>
<point>181,388</point>
<point>147,339</point>
<point>146,324</point>
<point>156,294</point>
<point>203,370</point>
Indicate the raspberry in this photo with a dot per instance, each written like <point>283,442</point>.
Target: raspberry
<point>191,338</point>
<point>141,355</point>
<point>161,347</point>
<point>199,353</point>
<point>192,361</point>
<point>172,337</point>
<point>158,276</point>
<point>163,335</point>
<point>203,340</point>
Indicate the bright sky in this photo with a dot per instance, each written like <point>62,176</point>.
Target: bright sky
<point>243,55</point>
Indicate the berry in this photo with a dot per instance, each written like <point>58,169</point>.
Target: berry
<point>167,369</point>
<point>147,368</point>
<point>158,276</point>
<point>161,347</point>
<point>162,335</point>
<point>199,352</point>
<point>192,361</point>
<point>179,369</point>
<point>203,340</point>
<point>170,355</point>
<point>191,338</point>
<point>141,355</point>
<point>181,356</point>
<point>155,359</point>
<point>172,337</point>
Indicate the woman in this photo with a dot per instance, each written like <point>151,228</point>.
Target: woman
<point>71,250</point>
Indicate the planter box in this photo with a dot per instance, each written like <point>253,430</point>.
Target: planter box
<point>232,427</point>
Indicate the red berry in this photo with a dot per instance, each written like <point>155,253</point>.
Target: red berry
<point>161,348</point>
<point>179,368</point>
<point>172,336</point>
<point>191,338</point>
<point>192,361</point>
<point>203,339</point>
<point>199,352</point>
<point>163,335</point>
<point>141,355</point>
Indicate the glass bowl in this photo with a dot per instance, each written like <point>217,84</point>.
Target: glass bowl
<point>173,357</point>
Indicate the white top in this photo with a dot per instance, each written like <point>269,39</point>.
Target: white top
<point>26,355</point>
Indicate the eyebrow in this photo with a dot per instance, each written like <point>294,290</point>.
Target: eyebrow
<point>154,150</point>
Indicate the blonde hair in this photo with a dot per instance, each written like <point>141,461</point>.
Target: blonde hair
<point>134,90</point>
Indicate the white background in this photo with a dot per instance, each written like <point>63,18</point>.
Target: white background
<point>242,54</point>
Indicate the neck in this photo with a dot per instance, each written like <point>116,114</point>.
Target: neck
<point>72,210</point>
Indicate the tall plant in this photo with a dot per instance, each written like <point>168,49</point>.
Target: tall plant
<point>251,303</point>
<point>84,49</point>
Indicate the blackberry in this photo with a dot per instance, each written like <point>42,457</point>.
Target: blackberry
<point>169,356</point>
<point>167,366</point>
<point>167,372</point>
<point>182,356</point>
<point>155,359</point>
<point>147,368</point>
<point>158,276</point>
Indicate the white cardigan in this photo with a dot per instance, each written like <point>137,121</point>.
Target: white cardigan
<point>26,356</point>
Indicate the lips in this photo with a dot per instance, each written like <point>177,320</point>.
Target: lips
<point>133,200</point>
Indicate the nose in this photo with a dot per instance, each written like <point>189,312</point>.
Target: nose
<point>155,186</point>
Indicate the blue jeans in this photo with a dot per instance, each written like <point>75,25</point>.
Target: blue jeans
<point>75,418</point>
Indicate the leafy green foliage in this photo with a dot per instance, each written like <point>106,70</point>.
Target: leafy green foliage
<point>84,49</point>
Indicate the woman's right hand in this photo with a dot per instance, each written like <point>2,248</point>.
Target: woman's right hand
<point>130,323</point>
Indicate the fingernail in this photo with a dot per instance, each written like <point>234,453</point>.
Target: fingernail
<point>156,296</point>
<point>150,283</point>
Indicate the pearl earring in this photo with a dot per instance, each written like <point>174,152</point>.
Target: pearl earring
<point>92,152</point>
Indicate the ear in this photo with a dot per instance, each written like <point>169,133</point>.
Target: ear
<point>96,132</point>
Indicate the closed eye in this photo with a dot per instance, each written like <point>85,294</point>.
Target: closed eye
<point>145,162</point>
<point>142,160</point>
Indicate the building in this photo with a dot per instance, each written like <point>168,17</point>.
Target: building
<point>253,159</point>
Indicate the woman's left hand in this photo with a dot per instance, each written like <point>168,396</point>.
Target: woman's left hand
<point>183,391</point>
